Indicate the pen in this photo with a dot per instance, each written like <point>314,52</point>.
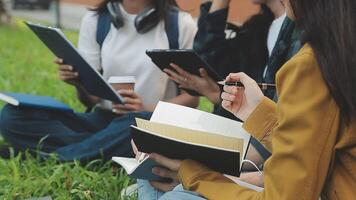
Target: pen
<point>263,86</point>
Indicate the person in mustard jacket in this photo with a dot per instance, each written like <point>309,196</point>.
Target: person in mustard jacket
<point>313,125</point>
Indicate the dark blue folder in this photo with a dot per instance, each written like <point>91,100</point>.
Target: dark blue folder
<point>33,101</point>
<point>92,80</point>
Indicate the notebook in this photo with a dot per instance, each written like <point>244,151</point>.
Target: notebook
<point>139,169</point>
<point>33,101</point>
<point>91,79</point>
<point>180,132</point>
<point>187,59</point>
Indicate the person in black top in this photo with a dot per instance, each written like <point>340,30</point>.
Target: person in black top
<point>228,48</point>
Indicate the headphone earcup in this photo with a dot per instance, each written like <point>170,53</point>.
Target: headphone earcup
<point>116,15</point>
<point>146,20</point>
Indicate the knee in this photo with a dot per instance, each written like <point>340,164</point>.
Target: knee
<point>173,195</point>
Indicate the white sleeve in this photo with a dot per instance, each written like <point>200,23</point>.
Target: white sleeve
<point>87,45</point>
<point>187,30</point>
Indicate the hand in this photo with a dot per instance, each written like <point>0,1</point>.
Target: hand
<point>241,101</point>
<point>67,73</point>
<point>205,85</point>
<point>254,178</point>
<point>133,103</point>
<point>169,171</point>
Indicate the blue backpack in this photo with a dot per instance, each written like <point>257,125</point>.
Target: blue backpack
<point>171,27</point>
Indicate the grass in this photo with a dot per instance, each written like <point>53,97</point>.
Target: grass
<point>26,66</point>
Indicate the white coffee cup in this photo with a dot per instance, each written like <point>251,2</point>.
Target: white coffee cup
<point>122,82</point>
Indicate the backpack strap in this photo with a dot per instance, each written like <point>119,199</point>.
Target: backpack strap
<point>172,27</point>
<point>103,27</point>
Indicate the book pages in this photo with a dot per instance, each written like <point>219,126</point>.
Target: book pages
<point>192,136</point>
<point>185,117</point>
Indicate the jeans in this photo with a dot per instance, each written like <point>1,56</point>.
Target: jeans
<point>147,192</point>
<point>71,136</point>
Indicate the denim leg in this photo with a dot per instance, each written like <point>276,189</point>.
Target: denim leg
<point>180,194</point>
<point>147,192</point>
<point>71,136</point>
<point>24,128</point>
<point>114,140</point>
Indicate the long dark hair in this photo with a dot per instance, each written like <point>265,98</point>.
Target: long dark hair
<point>329,27</point>
<point>162,6</point>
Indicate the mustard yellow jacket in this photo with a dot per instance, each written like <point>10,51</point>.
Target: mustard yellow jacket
<point>314,152</point>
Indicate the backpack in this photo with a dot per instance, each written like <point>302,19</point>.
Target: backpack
<point>171,27</point>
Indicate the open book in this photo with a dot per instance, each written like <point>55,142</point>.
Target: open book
<point>139,169</point>
<point>180,132</point>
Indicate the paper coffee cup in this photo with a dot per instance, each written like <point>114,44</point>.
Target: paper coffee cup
<point>122,82</point>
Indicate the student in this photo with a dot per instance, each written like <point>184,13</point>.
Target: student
<point>263,43</point>
<point>102,132</point>
<point>313,125</point>
<point>260,47</point>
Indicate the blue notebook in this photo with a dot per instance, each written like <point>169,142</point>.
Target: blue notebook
<point>33,101</point>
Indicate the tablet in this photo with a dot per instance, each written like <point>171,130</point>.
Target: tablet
<point>91,79</point>
<point>187,59</point>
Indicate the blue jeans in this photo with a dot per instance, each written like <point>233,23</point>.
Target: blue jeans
<point>147,192</point>
<point>71,136</point>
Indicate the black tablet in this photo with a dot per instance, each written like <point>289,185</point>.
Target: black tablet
<point>91,79</point>
<point>187,59</point>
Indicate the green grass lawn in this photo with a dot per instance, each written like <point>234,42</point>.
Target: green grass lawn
<point>26,66</point>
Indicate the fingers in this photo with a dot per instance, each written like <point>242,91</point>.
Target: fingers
<point>165,173</point>
<point>131,104</point>
<point>173,75</point>
<point>126,108</point>
<point>231,90</point>
<point>66,68</point>
<point>166,162</point>
<point>68,75</point>
<point>58,61</point>
<point>128,94</point>
<point>177,78</point>
<point>228,97</point>
<point>165,187</point>
<point>227,105</point>
<point>241,77</point>
<point>179,70</point>
<point>129,100</point>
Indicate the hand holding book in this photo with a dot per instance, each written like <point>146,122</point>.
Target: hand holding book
<point>203,84</point>
<point>168,170</point>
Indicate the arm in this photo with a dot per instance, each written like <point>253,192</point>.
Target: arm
<point>303,142</point>
<point>88,100</point>
<point>210,38</point>
<point>69,76</point>
<point>187,31</point>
